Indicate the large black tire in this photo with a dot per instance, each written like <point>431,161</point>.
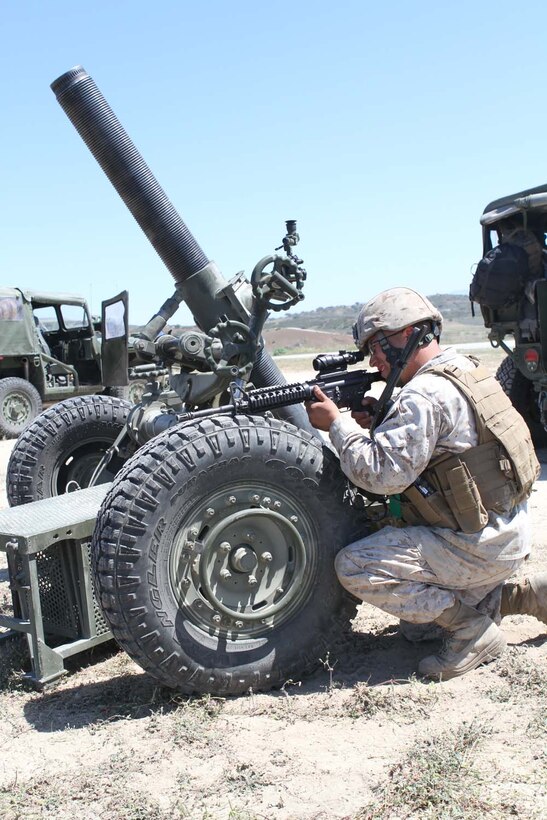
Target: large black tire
<point>523,397</point>
<point>20,403</point>
<point>213,555</point>
<point>62,447</point>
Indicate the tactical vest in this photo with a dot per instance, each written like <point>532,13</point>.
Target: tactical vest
<point>458,491</point>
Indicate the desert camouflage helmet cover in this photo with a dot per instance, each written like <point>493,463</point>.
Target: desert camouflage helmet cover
<point>393,310</point>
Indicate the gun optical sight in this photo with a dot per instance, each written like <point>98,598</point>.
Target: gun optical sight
<point>327,362</point>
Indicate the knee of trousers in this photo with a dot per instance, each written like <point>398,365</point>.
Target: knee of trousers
<point>346,568</point>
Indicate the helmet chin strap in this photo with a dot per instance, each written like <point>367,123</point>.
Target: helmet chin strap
<point>420,335</point>
<point>393,354</point>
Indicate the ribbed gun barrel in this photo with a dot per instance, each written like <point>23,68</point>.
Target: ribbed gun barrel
<point>111,146</point>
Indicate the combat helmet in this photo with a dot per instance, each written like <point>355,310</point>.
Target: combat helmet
<point>392,310</point>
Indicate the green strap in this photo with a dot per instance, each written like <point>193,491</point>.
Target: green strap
<point>395,509</point>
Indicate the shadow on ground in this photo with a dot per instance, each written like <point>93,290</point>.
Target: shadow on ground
<point>370,658</point>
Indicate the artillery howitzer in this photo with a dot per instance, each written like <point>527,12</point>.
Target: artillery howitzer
<point>213,547</point>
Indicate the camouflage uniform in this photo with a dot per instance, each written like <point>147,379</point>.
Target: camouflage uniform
<point>410,572</point>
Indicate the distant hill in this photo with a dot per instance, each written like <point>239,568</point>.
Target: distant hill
<point>281,332</point>
<point>340,318</point>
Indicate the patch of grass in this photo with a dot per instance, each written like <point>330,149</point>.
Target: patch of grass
<point>14,660</point>
<point>436,779</point>
<point>107,794</point>
<point>246,777</point>
<point>537,726</point>
<point>194,719</point>
<point>407,703</point>
<point>521,678</point>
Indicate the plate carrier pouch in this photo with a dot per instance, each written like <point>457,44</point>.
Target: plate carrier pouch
<point>494,476</point>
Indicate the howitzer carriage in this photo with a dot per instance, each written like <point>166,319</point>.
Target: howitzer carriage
<point>213,547</point>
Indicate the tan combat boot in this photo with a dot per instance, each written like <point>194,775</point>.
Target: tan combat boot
<point>473,639</point>
<point>420,633</point>
<point>526,597</point>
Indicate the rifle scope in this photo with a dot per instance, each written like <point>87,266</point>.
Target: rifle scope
<point>327,362</point>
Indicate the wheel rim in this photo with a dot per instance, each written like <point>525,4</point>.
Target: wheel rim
<point>74,470</point>
<point>243,560</point>
<point>17,409</point>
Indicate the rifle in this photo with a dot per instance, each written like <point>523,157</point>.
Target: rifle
<point>346,389</point>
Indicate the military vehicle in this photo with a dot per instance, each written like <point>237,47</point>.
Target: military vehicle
<point>50,348</point>
<point>511,288</point>
<point>213,548</point>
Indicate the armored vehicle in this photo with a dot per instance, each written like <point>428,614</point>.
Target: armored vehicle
<point>510,285</point>
<point>50,349</point>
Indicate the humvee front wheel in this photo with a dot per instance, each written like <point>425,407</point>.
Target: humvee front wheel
<point>213,555</point>
<point>20,403</point>
<point>62,447</point>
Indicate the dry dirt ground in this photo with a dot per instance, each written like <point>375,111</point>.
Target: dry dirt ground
<point>362,738</point>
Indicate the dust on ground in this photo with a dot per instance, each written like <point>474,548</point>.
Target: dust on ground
<point>362,738</point>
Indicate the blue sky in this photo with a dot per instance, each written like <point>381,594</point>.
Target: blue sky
<point>384,129</point>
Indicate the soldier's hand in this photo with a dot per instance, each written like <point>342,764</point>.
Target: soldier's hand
<point>322,411</point>
<point>364,417</point>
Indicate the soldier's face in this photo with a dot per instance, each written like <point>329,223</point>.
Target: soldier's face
<point>378,358</point>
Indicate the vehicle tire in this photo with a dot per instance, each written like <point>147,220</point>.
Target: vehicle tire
<point>523,397</point>
<point>62,447</point>
<point>213,555</point>
<point>20,403</point>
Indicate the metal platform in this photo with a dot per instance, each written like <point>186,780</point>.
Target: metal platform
<point>48,549</point>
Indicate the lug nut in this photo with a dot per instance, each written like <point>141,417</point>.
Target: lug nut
<point>266,501</point>
<point>231,499</point>
<point>209,512</point>
<point>267,557</point>
<point>225,573</point>
<point>280,590</point>
<point>189,545</point>
<point>238,624</point>
<point>225,546</point>
<point>252,581</point>
<point>294,519</point>
<point>255,499</point>
<point>186,582</point>
<point>217,618</point>
<point>194,532</point>
<point>277,505</point>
